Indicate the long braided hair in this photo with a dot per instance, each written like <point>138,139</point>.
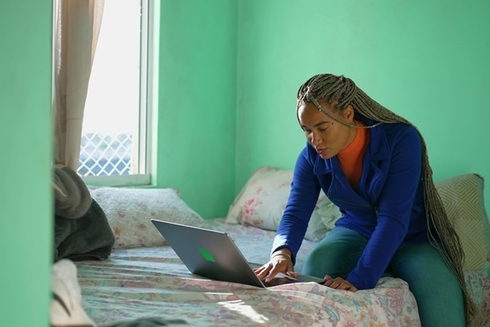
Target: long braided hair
<point>340,92</point>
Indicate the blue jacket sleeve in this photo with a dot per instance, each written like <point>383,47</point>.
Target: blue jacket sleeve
<point>302,200</point>
<point>394,209</point>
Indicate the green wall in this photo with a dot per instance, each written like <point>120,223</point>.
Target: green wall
<point>197,102</point>
<point>427,61</point>
<point>228,76</point>
<point>25,131</point>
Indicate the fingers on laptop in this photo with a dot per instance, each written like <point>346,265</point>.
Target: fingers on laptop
<point>262,271</point>
<point>270,270</point>
<point>339,283</point>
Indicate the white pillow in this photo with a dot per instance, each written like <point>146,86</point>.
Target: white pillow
<point>129,211</point>
<point>263,199</point>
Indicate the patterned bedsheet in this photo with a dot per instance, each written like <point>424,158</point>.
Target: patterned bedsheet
<point>153,282</point>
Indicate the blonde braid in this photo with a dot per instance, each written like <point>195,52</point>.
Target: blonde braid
<point>340,91</point>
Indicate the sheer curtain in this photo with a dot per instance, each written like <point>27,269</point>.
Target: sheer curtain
<point>77,25</point>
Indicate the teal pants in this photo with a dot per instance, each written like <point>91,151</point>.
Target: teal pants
<point>437,292</point>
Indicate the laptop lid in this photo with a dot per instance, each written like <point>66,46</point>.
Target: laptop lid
<point>208,253</point>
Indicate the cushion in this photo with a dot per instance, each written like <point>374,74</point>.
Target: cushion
<point>263,199</point>
<point>129,211</point>
<point>462,197</point>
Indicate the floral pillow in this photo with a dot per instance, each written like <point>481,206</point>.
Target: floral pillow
<point>130,210</point>
<point>262,201</point>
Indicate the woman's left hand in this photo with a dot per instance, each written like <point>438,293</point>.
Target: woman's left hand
<point>339,283</point>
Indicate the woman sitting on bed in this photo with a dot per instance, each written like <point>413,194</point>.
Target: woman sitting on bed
<point>373,165</point>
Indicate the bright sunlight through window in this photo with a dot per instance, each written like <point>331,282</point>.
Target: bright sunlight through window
<point>115,136</point>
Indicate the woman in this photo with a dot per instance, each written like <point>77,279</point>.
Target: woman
<point>373,165</point>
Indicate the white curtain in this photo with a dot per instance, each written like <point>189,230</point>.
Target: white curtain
<point>77,28</point>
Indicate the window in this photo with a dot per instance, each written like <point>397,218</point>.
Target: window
<point>115,145</point>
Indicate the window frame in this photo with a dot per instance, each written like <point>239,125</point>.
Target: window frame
<point>147,103</point>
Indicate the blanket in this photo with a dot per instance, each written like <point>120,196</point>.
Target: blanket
<point>82,231</point>
<point>66,305</point>
<point>71,195</point>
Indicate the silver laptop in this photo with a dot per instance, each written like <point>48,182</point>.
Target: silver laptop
<point>214,255</point>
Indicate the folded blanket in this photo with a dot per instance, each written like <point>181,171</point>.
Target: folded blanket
<point>88,238</point>
<point>66,305</point>
<point>72,197</point>
<point>82,231</point>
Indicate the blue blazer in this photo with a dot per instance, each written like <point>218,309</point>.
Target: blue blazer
<point>388,207</point>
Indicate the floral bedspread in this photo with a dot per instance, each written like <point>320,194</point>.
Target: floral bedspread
<point>153,282</point>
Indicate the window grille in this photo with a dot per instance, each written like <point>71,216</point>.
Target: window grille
<point>105,155</point>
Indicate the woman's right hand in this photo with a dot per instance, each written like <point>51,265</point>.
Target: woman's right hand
<point>280,262</point>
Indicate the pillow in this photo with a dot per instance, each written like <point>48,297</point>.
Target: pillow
<point>129,211</point>
<point>462,197</point>
<point>263,199</point>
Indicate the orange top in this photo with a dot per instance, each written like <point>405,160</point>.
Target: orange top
<point>350,157</point>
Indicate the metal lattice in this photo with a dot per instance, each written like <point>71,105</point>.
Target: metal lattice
<point>105,155</point>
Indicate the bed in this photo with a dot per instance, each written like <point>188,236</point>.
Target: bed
<point>144,278</point>
<point>152,281</point>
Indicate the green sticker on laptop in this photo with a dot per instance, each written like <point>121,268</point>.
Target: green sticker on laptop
<point>207,255</point>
